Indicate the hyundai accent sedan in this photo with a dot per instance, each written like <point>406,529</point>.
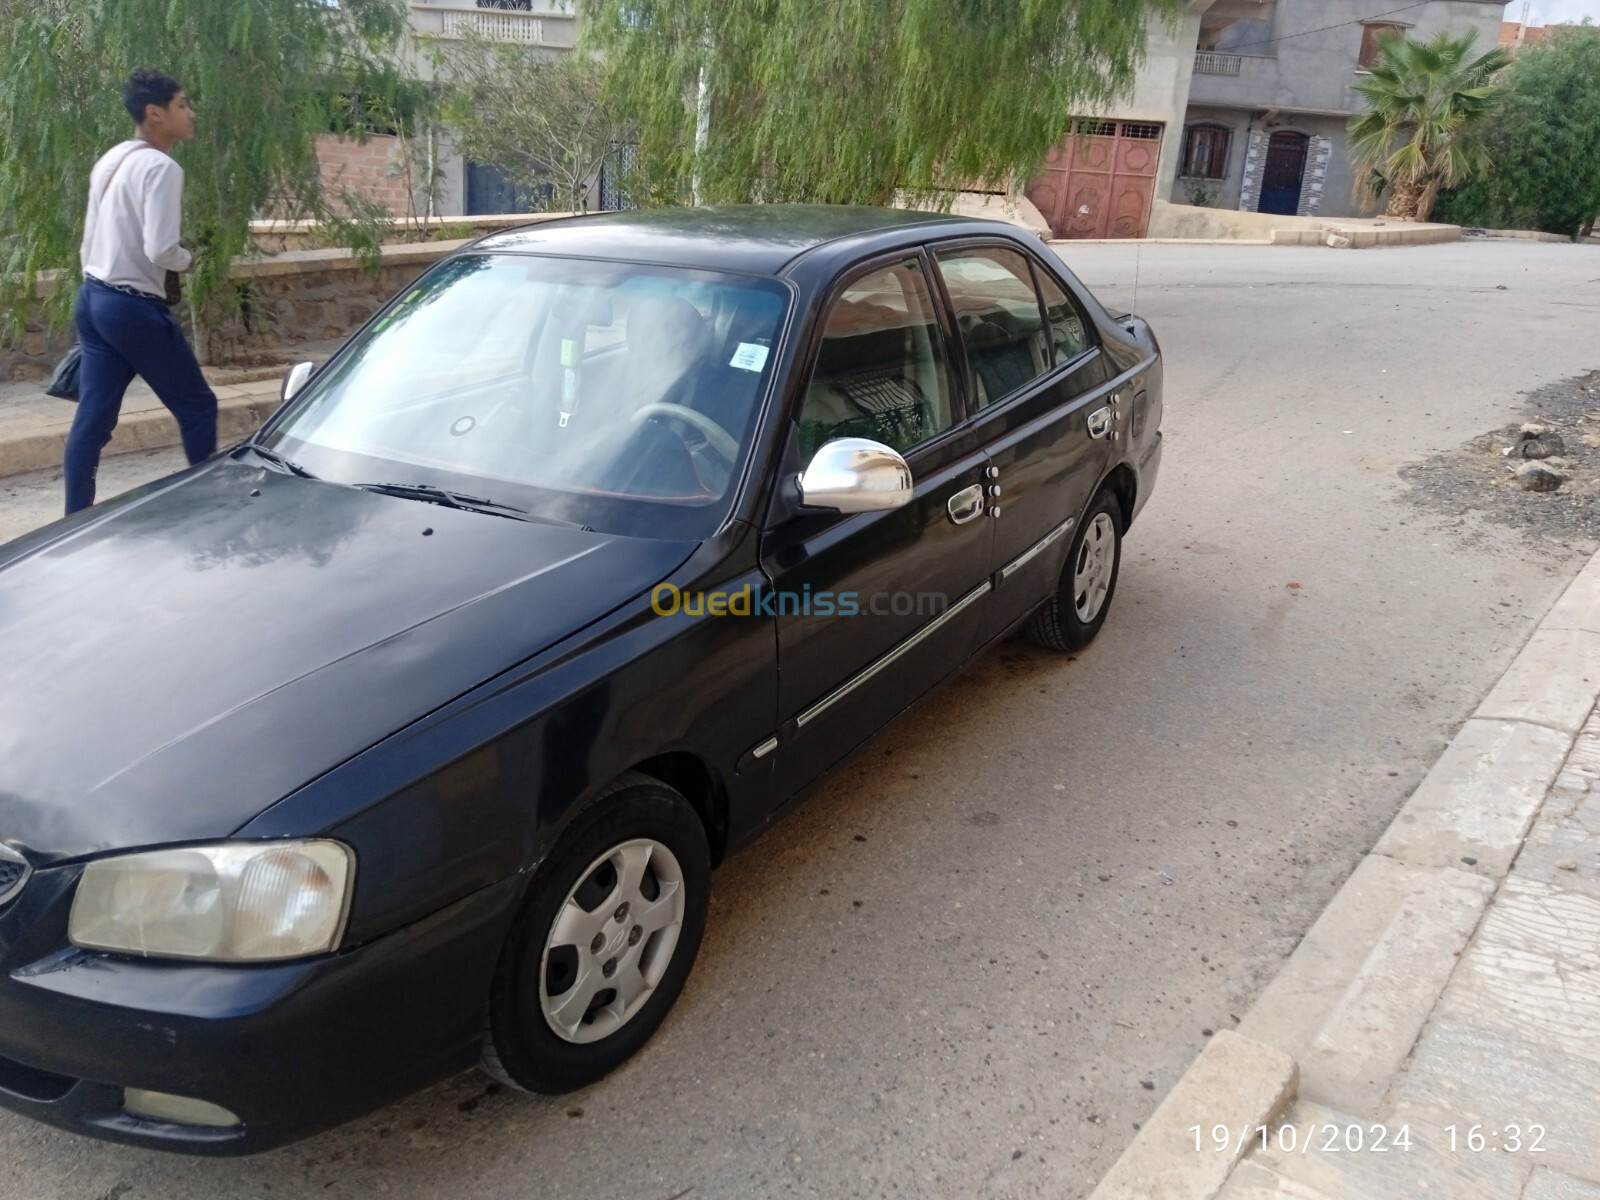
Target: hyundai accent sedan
<point>405,735</point>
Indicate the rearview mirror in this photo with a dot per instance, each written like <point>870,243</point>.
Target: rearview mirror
<point>296,379</point>
<point>854,475</point>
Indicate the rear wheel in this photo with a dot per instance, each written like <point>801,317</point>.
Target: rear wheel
<point>604,942</point>
<point>1073,616</point>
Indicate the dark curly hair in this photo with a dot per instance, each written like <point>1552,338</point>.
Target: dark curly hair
<point>146,87</point>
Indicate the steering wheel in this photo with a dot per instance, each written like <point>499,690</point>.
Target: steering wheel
<point>718,438</point>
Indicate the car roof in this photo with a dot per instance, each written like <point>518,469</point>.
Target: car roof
<point>756,239</point>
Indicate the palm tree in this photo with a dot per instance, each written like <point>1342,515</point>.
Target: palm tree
<point>1425,98</point>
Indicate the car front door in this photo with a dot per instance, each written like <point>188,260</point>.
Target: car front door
<point>875,608</point>
<point>1044,409</point>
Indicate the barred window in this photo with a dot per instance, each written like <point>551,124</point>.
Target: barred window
<point>1205,151</point>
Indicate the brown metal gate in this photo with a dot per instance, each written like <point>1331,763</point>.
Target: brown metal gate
<point>1098,183</point>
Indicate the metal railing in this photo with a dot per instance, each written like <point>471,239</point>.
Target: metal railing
<point>506,25</point>
<point>1209,62</point>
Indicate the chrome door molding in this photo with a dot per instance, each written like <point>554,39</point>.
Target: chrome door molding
<point>1038,548</point>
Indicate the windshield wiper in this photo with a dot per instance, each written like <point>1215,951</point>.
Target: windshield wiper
<point>278,460</point>
<point>436,495</point>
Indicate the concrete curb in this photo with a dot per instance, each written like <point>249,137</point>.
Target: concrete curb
<point>1347,1008</point>
<point>1237,1083</point>
<point>240,411</point>
<point>1332,234</point>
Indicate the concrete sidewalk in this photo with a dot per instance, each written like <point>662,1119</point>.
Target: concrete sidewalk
<point>1437,1032</point>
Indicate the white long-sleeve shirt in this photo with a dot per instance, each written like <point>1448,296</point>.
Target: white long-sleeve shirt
<point>130,237</point>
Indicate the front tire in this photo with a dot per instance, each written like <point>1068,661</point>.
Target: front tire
<point>604,942</point>
<point>1072,617</point>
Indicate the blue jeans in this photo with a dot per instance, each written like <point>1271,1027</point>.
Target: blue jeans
<point>120,336</point>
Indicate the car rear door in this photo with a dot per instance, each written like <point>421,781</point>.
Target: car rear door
<point>873,609</point>
<point>1042,407</point>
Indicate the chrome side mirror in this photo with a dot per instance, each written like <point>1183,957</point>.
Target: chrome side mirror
<point>855,475</point>
<point>296,379</point>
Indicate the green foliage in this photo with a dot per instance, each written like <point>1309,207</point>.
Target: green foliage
<point>540,120</point>
<point>1544,143</point>
<point>455,231</point>
<point>265,76</point>
<point>848,101</point>
<point>1424,101</point>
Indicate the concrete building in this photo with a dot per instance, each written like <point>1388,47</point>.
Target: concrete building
<point>1101,181</point>
<point>1244,106</point>
<point>1240,105</point>
<point>383,169</point>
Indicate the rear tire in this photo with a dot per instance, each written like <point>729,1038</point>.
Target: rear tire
<point>1072,617</point>
<point>604,941</point>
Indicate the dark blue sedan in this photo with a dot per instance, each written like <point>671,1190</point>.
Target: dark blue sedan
<point>404,736</point>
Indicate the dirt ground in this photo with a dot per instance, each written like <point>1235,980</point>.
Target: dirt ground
<point>1480,476</point>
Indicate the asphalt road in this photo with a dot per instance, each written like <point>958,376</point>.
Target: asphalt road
<point>979,957</point>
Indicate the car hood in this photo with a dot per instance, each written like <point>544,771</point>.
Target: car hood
<point>189,655</point>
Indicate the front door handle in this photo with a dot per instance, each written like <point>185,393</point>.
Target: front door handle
<point>1099,422</point>
<point>966,504</point>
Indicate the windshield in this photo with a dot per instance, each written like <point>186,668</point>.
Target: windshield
<point>611,395</point>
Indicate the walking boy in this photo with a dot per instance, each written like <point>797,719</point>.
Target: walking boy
<point>125,325</point>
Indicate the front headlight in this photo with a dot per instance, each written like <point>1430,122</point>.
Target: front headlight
<point>241,903</point>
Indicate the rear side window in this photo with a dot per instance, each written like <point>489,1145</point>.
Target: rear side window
<point>997,312</point>
<point>880,372</point>
<point>1068,333</point>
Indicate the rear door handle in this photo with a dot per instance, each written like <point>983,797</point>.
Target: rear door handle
<point>1099,422</point>
<point>966,504</point>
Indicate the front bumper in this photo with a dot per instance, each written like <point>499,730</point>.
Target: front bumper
<point>292,1048</point>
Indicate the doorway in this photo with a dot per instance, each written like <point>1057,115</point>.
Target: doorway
<point>1284,174</point>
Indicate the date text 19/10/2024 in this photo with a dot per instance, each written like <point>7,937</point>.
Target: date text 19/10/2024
<point>1357,1138</point>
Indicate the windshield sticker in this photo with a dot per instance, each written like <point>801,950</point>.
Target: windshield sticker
<point>569,352</point>
<point>749,357</point>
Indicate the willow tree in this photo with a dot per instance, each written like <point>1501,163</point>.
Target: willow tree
<point>849,101</point>
<point>267,77</point>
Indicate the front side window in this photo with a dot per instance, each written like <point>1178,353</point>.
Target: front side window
<point>1205,152</point>
<point>880,370</point>
<point>997,312</point>
<point>610,395</point>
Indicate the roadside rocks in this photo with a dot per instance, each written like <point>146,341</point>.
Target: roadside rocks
<point>1540,477</point>
<point>1540,441</point>
<point>1540,473</point>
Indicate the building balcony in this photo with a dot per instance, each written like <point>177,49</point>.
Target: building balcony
<point>1236,80</point>
<point>1210,62</point>
<point>502,21</point>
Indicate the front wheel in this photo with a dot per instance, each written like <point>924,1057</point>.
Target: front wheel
<point>604,942</point>
<point>1073,616</point>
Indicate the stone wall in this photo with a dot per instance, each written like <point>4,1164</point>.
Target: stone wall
<point>33,354</point>
<point>274,237</point>
<point>300,296</point>
<point>307,296</point>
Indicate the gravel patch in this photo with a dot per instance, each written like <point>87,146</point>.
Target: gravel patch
<point>1482,475</point>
